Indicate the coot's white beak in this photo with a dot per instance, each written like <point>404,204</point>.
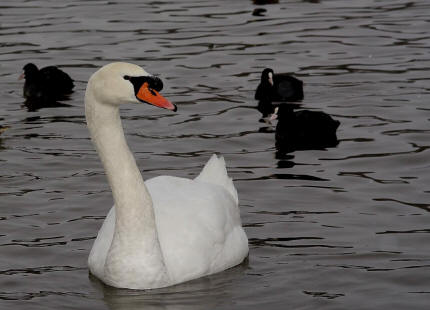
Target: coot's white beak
<point>271,78</point>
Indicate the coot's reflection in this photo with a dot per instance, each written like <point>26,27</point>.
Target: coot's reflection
<point>33,105</point>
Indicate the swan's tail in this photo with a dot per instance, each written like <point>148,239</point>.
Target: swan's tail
<point>215,172</point>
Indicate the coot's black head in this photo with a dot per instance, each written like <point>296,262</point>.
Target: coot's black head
<point>30,70</point>
<point>267,76</point>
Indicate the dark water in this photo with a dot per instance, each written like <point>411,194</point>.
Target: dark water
<point>342,228</point>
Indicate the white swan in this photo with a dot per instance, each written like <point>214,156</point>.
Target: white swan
<point>167,230</point>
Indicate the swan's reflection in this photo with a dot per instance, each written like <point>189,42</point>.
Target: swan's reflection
<point>203,293</point>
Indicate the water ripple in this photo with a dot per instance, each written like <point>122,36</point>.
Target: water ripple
<point>322,224</point>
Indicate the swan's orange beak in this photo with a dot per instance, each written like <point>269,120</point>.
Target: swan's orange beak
<point>153,97</point>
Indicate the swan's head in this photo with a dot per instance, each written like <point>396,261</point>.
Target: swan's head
<point>267,76</point>
<point>120,83</point>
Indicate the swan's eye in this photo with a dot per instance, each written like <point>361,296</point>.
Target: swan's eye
<point>126,77</point>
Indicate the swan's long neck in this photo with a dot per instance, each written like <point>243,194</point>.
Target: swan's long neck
<point>135,236</point>
<point>132,200</point>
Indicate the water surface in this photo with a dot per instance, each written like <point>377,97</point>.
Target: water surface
<point>341,228</point>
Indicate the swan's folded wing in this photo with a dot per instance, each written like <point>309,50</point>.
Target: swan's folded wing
<point>198,225</point>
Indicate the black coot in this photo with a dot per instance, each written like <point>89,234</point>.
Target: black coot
<point>279,87</point>
<point>304,130</point>
<point>47,84</point>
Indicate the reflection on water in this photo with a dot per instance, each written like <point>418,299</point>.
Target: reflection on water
<point>215,289</point>
<point>343,227</point>
<point>34,105</point>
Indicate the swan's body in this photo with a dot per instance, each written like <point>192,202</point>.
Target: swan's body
<point>166,230</point>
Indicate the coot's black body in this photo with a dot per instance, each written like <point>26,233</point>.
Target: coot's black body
<point>47,84</point>
<point>279,87</point>
<point>304,130</point>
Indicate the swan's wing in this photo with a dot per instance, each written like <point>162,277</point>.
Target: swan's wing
<point>199,227</point>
